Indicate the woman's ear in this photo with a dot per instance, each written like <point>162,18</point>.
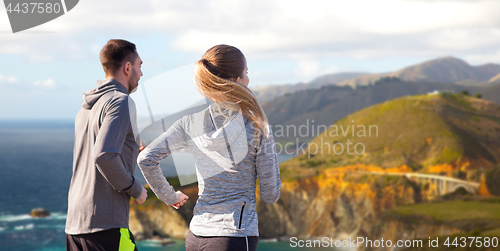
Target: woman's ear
<point>238,80</point>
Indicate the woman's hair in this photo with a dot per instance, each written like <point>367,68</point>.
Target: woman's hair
<point>215,77</point>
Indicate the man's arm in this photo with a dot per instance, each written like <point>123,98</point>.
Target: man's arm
<point>108,146</point>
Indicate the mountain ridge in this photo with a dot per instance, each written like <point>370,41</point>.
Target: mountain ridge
<point>269,92</point>
<point>447,69</point>
<point>443,70</point>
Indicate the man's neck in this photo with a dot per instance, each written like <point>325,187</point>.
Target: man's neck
<point>120,80</point>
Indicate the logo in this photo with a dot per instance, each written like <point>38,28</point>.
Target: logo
<point>26,14</point>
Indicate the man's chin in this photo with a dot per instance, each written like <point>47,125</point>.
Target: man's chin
<point>133,90</point>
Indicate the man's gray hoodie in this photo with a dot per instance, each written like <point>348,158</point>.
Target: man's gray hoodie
<point>104,160</point>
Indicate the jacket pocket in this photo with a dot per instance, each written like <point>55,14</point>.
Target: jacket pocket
<point>241,214</point>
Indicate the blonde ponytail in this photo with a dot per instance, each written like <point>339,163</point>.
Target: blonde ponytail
<point>215,76</point>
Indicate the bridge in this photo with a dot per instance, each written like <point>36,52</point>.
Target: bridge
<point>441,184</point>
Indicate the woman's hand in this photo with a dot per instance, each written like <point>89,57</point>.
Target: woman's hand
<point>142,198</point>
<point>182,199</point>
<point>141,146</point>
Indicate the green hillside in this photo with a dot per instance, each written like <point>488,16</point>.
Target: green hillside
<point>330,103</point>
<point>477,217</point>
<point>417,131</point>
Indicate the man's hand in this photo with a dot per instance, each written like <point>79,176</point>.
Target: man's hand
<point>182,199</point>
<point>142,198</point>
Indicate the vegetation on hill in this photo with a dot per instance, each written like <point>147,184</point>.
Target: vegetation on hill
<point>476,217</point>
<point>421,132</point>
<point>328,104</point>
<point>492,93</point>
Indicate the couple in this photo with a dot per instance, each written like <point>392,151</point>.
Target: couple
<point>106,152</point>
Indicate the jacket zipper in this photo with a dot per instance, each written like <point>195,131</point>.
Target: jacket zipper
<point>241,214</point>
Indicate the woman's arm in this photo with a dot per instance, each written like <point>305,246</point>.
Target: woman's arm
<point>149,161</point>
<point>268,170</point>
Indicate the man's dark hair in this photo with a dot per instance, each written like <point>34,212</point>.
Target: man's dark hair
<point>115,53</point>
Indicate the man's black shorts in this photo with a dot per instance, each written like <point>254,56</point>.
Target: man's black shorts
<point>115,239</point>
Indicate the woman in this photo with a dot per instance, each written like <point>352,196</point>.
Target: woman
<point>232,144</point>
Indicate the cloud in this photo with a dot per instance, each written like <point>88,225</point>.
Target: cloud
<point>307,69</point>
<point>481,58</point>
<point>9,79</point>
<point>271,29</point>
<point>465,39</point>
<point>296,30</point>
<point>47,84</point>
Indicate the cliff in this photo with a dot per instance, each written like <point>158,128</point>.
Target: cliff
<point>339,203</point>
<point>406,228</point>
<point>334,202</point>
<point>162,221</point>
<point>330,203</point>
<point>156,219</point>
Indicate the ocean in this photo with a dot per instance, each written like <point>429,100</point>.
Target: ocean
<point>36,163</point>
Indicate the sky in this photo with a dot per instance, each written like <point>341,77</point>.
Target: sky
<point>45,70</point>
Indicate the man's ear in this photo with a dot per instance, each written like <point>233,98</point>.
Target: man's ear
<point>127,68</point>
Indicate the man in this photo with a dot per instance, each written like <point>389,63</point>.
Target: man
<point>104,157</point>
